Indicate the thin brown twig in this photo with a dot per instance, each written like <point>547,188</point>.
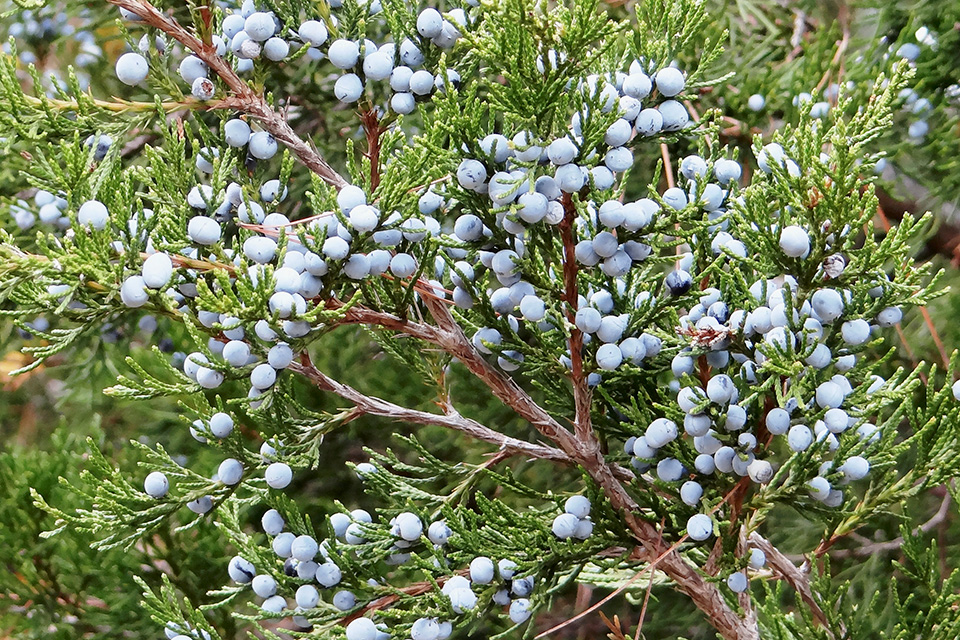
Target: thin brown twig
<point>843,17</point>
<point>667,165</point>
<point>649,567</point>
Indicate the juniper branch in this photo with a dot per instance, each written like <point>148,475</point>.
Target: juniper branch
<point>243,98</point>
<point>581,392</point>
<point>795,576</point>
<point>453,420</point>
<point>448,335</point>
<point>704,594</point>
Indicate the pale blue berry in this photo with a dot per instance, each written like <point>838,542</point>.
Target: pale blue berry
<point>429,23</point>
<point>799,438</point>
<point>362,629</point>
<point>699,527</point>
<point>795,242</point>
<point>756,102</point>
<point>828,304</point>
<point>481,570</point>
<point>660,432</point>
<point>303,548</point>
<point>439,532</point>
<point>329,574</point>
<point>278,475</point>
<point>348,88</point>
<point>156,484</point>
<point>670,81</point>
<point>691,492</point>
<point>578,506</point>
<point>272,523</point>
<point>276,49</point>
<point>737,582</point>
<point>307,596</point>
<point>221,425</point>
<point>344,600</point>
<point>230,471</point>
<point>262,145</point>
<point>241,570</point>
<point>313,32</point>
<point>132,68</point>
<point>425,629</point>
<point>344,54</point>
<point>674,114</point>
<point>93,214</point>
<point>133,292</point>
<point>260,26</point>
<point>520,610</point>
<point>564,526</point>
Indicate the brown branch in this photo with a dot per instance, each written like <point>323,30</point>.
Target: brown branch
<point>450,337</point>
<point>704,594</point>
<point>456,344</point>
<point>452,420</point>
<point>243,98</point>
<point>792,575</point>
<point>373,131</point>
<point>583,424</point>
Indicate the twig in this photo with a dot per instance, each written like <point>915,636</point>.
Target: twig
<point>457,345</point>
<point>944,356</point>
<point>646,596</point>
<point>843,17</point>
<point>613,594</point>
